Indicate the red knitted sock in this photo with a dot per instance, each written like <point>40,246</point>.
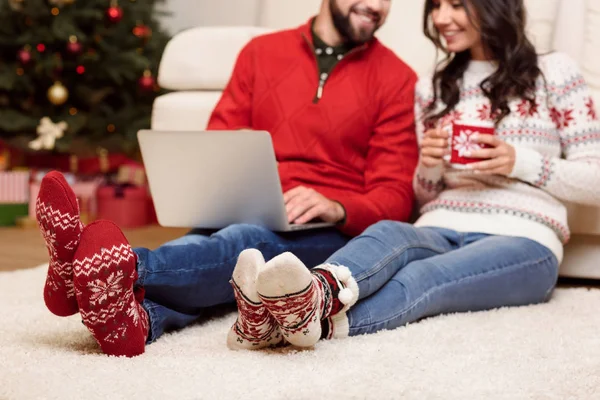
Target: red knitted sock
<point>104,274</point>
<point>57,214</point>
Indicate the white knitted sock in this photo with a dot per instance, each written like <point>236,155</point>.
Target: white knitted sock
<point>254,328</point>
<point>299,299</point>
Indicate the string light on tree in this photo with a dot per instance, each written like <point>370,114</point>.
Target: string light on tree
<point>16,5</point>
<point>61,3</point>
<point>114,12</point>
<point>41,47</point>
<point>58,94</point>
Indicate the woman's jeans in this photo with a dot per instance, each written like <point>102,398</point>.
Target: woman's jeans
<point>186,276</point>
<point>406,273</point>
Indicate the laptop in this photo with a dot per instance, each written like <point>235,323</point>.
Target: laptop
<point>213,179</point>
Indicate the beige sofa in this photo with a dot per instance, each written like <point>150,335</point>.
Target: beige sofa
<point>197,63</point>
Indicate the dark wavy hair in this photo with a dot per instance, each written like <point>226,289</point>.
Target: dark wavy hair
<point>501,24</point>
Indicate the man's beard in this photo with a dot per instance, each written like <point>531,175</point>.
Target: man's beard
<point>344,26</point>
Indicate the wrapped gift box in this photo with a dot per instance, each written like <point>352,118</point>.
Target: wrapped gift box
<point>14,196</point>
<point>125,205</point>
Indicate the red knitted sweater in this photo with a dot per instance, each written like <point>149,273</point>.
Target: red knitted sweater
<point>354,144</point>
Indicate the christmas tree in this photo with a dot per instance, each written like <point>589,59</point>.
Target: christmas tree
<point>78,71</point>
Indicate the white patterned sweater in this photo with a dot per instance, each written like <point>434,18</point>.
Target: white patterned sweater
<point>557,145</point>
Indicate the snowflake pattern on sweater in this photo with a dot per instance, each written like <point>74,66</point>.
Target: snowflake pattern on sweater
<point>557,144</point>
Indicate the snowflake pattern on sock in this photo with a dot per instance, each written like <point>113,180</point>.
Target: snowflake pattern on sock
<point>255,325</point>
<point>295,312</point>
<point>104,275</point>
<point>57,215</point>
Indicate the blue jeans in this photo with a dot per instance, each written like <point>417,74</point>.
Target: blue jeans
<point>186,276</point>
<point>406,273</point>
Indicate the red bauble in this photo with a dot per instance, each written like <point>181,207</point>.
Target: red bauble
<point>147,82</point>
<point>74,48</point>
<point>114,14</point>
<point>142,31</point>
<point>24,56</point>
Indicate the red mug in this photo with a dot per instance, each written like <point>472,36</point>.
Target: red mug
<point>462,143</point>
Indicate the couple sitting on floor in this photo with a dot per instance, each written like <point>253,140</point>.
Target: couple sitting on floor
<point>355,147</point>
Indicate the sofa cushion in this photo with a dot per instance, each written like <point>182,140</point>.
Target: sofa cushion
<point>202,58</point>
<point>183,111</point>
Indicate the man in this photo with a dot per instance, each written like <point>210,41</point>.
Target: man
<point>338,105</point>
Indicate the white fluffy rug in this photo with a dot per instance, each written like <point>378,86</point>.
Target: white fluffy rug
<point>550,351</point>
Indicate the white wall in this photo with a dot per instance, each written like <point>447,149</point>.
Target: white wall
<point>281,14</point>
<point>191,13</point>
<point>402,32</point>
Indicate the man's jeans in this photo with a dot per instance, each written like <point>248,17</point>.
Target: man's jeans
<point>406,273</point>
<point>184,277</point>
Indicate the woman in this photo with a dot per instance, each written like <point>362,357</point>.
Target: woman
<point>491,233</point>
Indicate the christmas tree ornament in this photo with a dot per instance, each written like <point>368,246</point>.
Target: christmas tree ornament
<point>58,94</point>
<point>48,132</point>
<point>147,81</point>
<point>142,31</point>
<point>16,5</point>
<point>52,65</point>
<point>24,55</point>
<point>114,12</point>
<point>74,47</point>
